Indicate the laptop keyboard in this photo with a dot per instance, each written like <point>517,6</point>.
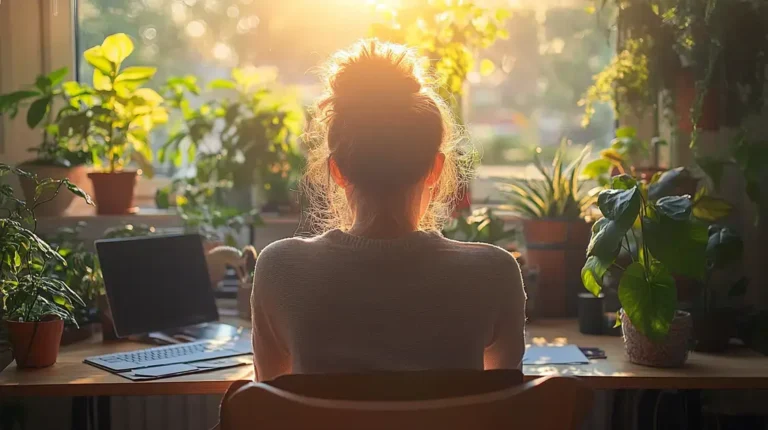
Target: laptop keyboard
<point>165,355</point>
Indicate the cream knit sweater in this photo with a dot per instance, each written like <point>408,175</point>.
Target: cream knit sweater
<point>339,303</point>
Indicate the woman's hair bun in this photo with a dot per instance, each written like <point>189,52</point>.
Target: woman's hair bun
<point>375,75</point>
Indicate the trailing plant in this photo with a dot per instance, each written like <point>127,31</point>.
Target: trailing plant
<point>661,239</point>
<point>481,225</point>
<point>29,292</point>
<point>448,33</point>
<point>559,195</point>
<point>247,135</point>
<point>41,99</point>
<point>116,114</point>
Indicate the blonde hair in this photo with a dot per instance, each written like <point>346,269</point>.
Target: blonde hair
<point>382,122</point>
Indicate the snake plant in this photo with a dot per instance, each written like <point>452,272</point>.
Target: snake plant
<point>559,194</point>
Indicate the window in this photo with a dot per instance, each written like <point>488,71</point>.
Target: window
<point>529,101</point>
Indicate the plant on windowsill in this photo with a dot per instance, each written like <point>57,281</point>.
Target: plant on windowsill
<point>481,225</point>
<point>554,210</point>
<point>116,115</point>
<point>655,240</point>
<point>198,208</point>
<point>247,136</point>
<point>57,156</point>
<point>35,304</point>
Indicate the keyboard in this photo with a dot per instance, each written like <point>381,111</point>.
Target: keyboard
<point>166,355</point>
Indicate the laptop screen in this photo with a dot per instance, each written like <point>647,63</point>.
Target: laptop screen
<point>156,283</point>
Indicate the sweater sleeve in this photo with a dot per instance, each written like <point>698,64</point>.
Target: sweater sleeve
<point>270,357</point>
<point>506,349</point>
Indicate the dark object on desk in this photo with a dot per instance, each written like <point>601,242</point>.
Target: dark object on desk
<point>590,310</point>
<point>485,410</point>
<point>593,353</point>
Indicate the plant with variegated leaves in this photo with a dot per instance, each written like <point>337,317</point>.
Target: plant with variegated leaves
<point>116,114</point>
<point>660,239</point>
<point>560,194</point>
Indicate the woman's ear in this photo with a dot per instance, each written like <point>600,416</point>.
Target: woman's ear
<point>336,173</point>
<point>437,169</point>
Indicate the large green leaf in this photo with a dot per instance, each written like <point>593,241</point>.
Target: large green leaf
<point>57,76</point>
<point>680,245</point>
<point>677,208</point>
<point>132,78</point>
<point>623,182</point>
<point>669,182</point>
<point>649,298</point>
<point>606,239</point>
<point>621,206</point>
<point>592,274</point>
<point>117,48</point>
<point>37,111</point>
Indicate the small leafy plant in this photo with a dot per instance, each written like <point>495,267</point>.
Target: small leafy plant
<point>30,293</point>
<point>248,136</point>
<point>116,114</point>
<point>41,98</point>
<point>198,208</point>
<point>661,240</point>
<point>558,195</point>
<point>626,153</point>
<point>482,225</point>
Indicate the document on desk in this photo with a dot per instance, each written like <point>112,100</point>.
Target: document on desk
<point>554,354</point>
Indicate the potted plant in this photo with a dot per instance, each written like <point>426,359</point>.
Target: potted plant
<point>116,115</point>
<point>197,205</point>
<point>659,240</point>
<point>718,306</point>
<point>628,154</point>
<point>57,156</point>
<point>248,136</point>
<point>554,211</point>
<point>35,304</point>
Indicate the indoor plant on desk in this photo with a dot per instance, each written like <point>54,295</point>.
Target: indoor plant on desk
<point>658,239</point>
<point>554,211</point>
<point>57,156</point>
<point>117,116</point>
<point>35,304</point>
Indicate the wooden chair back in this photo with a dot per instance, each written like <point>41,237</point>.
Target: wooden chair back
<point>546,403</point>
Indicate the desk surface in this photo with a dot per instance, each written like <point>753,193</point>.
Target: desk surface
<point>740,369</point>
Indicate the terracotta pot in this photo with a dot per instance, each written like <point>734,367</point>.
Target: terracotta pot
<point>557,249</point>
<point>35,344</point>
<point>713,330</point>
<point>672,351</point>
<point>113,192</point>
<point>685,95</point>
<point>56,207</point>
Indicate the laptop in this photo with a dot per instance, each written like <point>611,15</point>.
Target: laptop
<point>158,286</point>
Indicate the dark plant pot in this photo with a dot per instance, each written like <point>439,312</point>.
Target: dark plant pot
<point>59,204</point>
<point>672,351</point>
<point>713,330</point>
<point>685,96</point>
<point>114,192</point>
<point>591,318</point>
<point>35,344</point>
<point>557,249</point>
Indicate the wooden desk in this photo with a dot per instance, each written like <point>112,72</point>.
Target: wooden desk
<point>741,369</point>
